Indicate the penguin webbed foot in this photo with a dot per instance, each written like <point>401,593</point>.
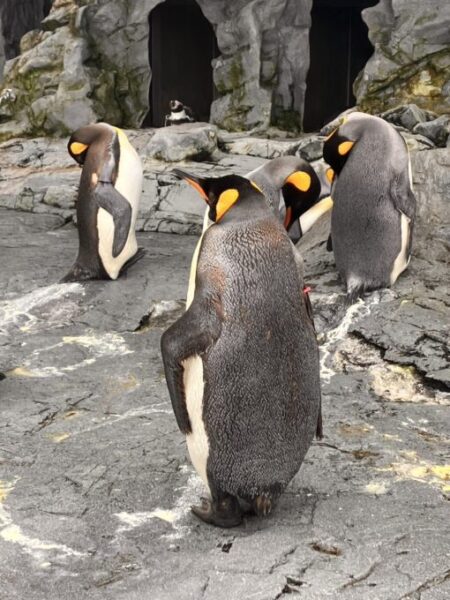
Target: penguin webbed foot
<point>140,253</point>
<point>225,512</point>
<point>76,273</point>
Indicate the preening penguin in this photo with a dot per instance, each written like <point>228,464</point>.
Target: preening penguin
<point>108,200</point>
<point>292,188</point>
<point>374,204</point>
<point>241,364</point>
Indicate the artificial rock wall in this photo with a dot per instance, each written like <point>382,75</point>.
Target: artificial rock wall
<point>89,62</point>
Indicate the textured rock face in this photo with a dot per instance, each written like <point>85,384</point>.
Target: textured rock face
<point>91,63</point>
<point>411,62</point>
<point>195,141</point>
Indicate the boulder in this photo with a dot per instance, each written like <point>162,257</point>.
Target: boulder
<point>195,141</point>
<point>407,116</point>
<point>265,148</point>
<point>437,130</point>
<point>310,148</point>
<point>411,59</point>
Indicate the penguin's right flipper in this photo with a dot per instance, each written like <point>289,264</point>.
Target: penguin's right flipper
<point>191,335</point>
<point>119,208</point>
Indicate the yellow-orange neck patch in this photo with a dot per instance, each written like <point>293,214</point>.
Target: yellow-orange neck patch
<point>345,147</point>
<point>225,202</point>
<point>77,148</point>
<point>301,180</point>
<point>330,175</point>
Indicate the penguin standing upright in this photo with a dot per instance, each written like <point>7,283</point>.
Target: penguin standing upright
<point>108,200</point>
<point>374,205</point>
<point>241,364</point>
<point>293,189</point>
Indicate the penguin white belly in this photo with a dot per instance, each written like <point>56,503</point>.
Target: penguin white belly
<point>402,260</point>
<point>129,184</point>
<point>197,440</point>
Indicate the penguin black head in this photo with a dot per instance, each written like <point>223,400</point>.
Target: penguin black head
<point>291,187</point>
<point>301,190</point>
<point>338,144</point>
<point>221,193</point>
<point>176,106</point>
<point>81,139</point>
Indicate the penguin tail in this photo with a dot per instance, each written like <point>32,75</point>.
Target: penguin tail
<point>355,291</point>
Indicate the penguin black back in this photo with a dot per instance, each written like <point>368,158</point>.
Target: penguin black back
<point>254,405</point>
<point>374,205</point>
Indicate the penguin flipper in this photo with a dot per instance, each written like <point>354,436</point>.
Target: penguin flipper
<point>329,244</point>
<point>191,335</point>
<point>119,208</point>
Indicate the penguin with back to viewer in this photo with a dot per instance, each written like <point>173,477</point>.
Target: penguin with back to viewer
<point>242,364</point>
<point>374,204</point>
<point>108,200</point>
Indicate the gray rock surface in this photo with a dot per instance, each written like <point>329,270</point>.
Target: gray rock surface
<point>39,175</point>
<point>95,484</point>
<point>190,141</point>
<point>437,130</point>
<point>411,58</point>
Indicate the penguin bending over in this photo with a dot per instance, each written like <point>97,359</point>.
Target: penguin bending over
<point>108,200</point>
<point>292,188</point>
<point>242,364</point>
<point>374,205</point>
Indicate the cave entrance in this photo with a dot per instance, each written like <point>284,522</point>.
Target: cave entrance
<point>182,45</point>
<point>339,49</point>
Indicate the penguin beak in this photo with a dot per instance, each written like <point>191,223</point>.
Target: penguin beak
<point>195,182</point>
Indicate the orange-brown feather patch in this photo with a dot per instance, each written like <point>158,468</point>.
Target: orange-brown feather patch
<point>225,202</point>
<point>330,175</point>
<point>301,180</point>
<point>345,147</point>
<point>77,148</point>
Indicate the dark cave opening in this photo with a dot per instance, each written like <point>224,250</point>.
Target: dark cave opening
<point>339,50</point>
<point>182,45</point>
<point>17,18</point>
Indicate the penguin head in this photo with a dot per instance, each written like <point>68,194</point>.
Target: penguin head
<point>300,191</point>
<point>293,184</point>
<point>339,143</point>
<point>220,193</point>
<point>176,106</point>
<point>81,139</point>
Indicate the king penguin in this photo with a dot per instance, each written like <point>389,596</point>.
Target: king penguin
<point>374,205</point>
<point>108,200</point>
<point>242,364</point>
<point>293,189</point>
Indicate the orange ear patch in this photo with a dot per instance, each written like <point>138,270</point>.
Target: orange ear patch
<point>301,180</point>
<point>330,175</point>
<point>345,147</point>
<point>225,202</point>
<point>77,148</point>
<point>197,187</point>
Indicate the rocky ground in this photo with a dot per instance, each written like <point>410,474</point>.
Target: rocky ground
<point>95,484</point>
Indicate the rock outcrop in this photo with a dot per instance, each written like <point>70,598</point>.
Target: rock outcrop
<point>90,62</point>
<point>411,61</point>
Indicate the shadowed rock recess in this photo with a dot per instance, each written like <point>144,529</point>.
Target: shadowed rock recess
<point>95,483</point>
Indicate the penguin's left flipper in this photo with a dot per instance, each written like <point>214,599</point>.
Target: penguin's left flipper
<point>119,208</point>
<point>329,243</point>
<point>191,335</point>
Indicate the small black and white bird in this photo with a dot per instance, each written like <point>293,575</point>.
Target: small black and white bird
<point>179,114</point>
